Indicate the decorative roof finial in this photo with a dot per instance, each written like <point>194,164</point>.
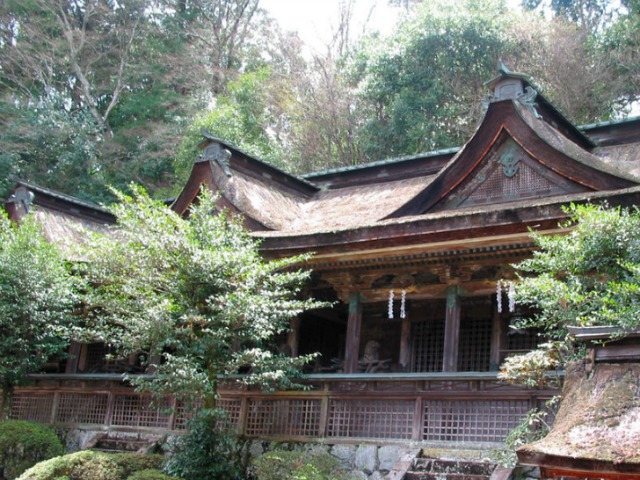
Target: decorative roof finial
<point>502,68</point>
<point>215,152</point>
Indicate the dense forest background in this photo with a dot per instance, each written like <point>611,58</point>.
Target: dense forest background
<point>108,92</point>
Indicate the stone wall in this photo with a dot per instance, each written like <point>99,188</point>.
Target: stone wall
<point>366,462</point>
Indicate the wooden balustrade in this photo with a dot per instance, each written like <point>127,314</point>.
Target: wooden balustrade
<point>449,408</point>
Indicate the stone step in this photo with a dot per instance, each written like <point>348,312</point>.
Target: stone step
<point>453,466</point>
<point>436,469</point>
<point>120,444</point>
<point>443,476</point>
<point>109,450</point>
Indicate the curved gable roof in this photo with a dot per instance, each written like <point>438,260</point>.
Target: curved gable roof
<point>523,157</point>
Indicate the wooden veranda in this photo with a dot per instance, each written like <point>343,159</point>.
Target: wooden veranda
<point>446,409</point>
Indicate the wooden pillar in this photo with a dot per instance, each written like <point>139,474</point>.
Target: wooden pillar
<point>354,324</point>
<point>74,357</point>
<point>452,329</point>
<point>497,340</point>
<point>293,338</point>
<point>405,344</point>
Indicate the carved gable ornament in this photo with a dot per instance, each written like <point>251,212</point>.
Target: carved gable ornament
<point>507,174</point>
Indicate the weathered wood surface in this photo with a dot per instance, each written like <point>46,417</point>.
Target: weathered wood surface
<point>450,408</point>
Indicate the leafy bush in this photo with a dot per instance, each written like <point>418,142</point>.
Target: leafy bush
<point>23,444</point>
<point>292,465</point>
<point>208,451</point>
<point>532,428</point>
<point>150,474</point>
<point>90,465</point>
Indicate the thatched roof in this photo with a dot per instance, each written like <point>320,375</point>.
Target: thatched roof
<point>597,427</point>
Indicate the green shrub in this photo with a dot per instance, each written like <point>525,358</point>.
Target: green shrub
<point>90,465</point>
<point>23,444</point>
<point>135,462</point>
<point>151,474</point>
<point>532,428</point>
<point>208,451</point>
<point>292,465</point>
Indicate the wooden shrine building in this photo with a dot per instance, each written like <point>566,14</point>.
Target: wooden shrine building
<point>411,251</point>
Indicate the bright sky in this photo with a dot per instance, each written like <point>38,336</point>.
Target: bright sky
<point>316,20</point>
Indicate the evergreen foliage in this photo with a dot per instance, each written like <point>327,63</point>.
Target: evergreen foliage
<point>589,276</point>
<point>92,465</point>
<point>208,451</point>
<point>421,88</point>
<point>297,465</point>
<point>37,296</point>
<point>150,474</point>
<point>195,292</point>
<point>97,94</point>
<point>23,444</point>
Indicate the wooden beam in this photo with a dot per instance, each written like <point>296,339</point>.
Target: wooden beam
<point>354,324</point>
<point>74,357</point>
<point>452,329</point>
<point>293,338</point>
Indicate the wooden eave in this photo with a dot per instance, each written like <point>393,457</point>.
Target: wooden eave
<point>555,118</point>
<point>52,200</point>
<point>423,164</point>
<point>249,165</point>
<point>558,466</point>
<point>202,175</point>
<point>451,232</point>
<point>547,146</point>
<point>614,133</point>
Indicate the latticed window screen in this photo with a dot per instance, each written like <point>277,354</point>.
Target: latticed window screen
<point>82,408</point>
<point>474,347</point>
<point>184,412</point>
<point>471,421</point>
<point>371,418</point>
<point>428,345</point>
<point>136,411</point>
<point>283,417</point>
<point>35,407</point>
<point>231,408</point>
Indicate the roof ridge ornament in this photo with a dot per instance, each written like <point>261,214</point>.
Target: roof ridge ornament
<point>528,100</point>
<point>509,85</point>
<point>215,152</point>
<point>526,97</point>
<point>22,198</point>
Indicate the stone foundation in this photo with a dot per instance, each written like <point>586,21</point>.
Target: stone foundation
<point>366,461</point>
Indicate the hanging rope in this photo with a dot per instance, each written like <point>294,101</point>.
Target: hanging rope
<point>510,290</point>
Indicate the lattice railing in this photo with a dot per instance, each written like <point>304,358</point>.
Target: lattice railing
<point>371,419</point>
<point>35,407</point>
<point>444,408</point>
<point>465,421</point>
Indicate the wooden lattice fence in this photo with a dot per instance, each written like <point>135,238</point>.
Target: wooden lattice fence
<point>432,407</point>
